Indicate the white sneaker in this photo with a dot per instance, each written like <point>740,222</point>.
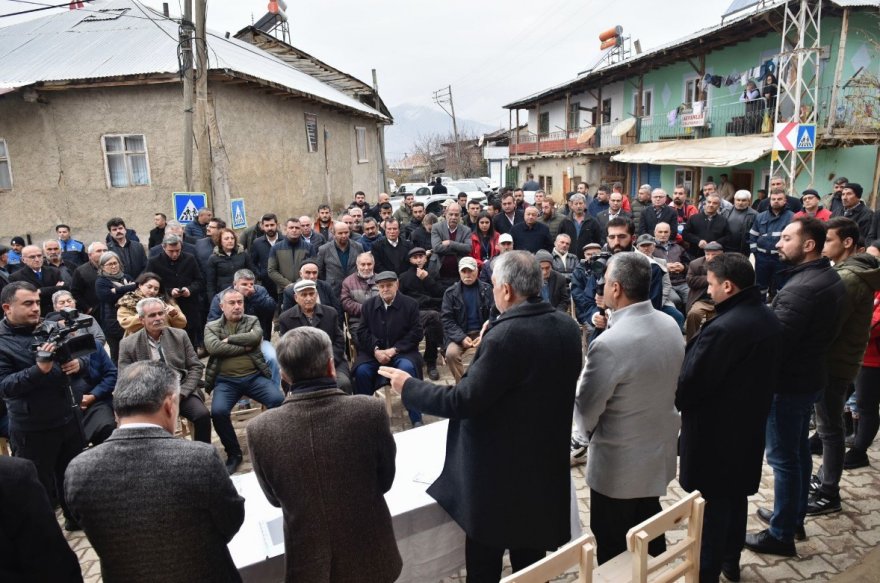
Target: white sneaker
<point>578,453</point>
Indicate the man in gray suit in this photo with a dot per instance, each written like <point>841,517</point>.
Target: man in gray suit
<point>628,411</point>
<point>450,241</point>
<point>327,459</point>
<point>338,258</point>
<point>155,508</point>
<point>158,341</point>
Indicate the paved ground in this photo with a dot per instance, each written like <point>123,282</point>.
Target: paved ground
<point>842,547</point>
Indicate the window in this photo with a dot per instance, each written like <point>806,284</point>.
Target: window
<point>312,132</point>
<point>361,137</point>
<point>574,116</point>
<point>692,90</point>
<point>5,169</point>
<point>544,123</point>
<point>606,111</point>
<point>125,157</point>
<point>685,176</point>
<point>647,103</point>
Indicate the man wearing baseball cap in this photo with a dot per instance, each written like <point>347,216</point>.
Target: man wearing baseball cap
<point>505,244</point>
<point>812,208</point>
<point>14,259</point>
<point>466,307</point>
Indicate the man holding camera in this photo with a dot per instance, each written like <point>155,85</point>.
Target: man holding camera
<point>42,425</point>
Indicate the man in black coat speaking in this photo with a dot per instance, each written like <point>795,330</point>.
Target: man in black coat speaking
<point>724,395</point>
<point>508,441</point>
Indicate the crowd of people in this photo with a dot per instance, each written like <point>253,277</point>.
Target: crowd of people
<point>764,310</point>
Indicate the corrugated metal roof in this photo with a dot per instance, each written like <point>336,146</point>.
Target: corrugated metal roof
<point>121,38</point>
<point>732,22</point>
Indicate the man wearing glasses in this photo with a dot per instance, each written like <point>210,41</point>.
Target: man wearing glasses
<point>45,278</point>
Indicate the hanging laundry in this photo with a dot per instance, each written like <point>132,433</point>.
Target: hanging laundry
<point>744,79</point>
<point>707,79</point>
<point>731,79</point>
<point>767,68</point>
<point>672,116</point>
<point>715,80</point>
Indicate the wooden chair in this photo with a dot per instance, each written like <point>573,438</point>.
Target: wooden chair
<point>579,552</point>
<point>680,560</point>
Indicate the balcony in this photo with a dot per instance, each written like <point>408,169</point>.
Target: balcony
<point>856,119</point>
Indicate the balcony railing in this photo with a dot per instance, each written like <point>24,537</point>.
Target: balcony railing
<point>856,115</point>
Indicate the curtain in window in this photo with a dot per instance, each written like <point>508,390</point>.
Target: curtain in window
<point>140,175</point>
<point>5,176</point>
<point>116,169</point>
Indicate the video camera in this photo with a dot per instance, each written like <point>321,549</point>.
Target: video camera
<point>58,332</point>
<point>597,264</point>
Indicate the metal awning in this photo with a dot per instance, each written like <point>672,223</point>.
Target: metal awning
<point>705,152</point>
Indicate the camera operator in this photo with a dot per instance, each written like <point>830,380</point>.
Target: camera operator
<point>42,425</point>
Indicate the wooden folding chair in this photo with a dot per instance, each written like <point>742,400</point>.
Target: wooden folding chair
<point>680,560</point>
<point>579,552</point>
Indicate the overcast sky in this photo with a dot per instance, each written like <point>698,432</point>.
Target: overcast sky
<point>492,52</point>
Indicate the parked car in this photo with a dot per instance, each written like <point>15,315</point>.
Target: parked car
<point>472,189</point>
<point>434,203</point>
<point>409,187</point>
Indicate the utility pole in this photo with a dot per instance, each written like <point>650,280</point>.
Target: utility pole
<point>380,136</point>
<point>443,97</point>
<point>186,72</point>
<point>203,140</point>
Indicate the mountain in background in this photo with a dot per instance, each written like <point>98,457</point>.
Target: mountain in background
<point>412,121</point>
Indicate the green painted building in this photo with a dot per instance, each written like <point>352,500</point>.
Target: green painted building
<point>674,114</point>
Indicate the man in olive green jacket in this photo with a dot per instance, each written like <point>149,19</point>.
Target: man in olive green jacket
<point>860,274</point>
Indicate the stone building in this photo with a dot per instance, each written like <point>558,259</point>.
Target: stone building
<point>91,124</point>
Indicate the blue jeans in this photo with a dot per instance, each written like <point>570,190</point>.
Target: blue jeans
<point>272,360</point>
<point>788,453</point>
<point>227,392</point>
<point>367,379</point>
<point>767,272</point>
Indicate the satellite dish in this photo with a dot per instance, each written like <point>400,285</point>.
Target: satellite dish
<point>481,140</point>
<point>586,135</point>
<point>623,127</point>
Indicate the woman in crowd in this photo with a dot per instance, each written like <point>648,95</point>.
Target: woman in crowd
<point>768,92</point>
<point>228,257</point>
<point>149,285</point>
<point>484,241</point>
<point>111,285</point>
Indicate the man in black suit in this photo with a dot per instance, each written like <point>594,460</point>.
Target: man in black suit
<point>724,395</point>
<point>509,215</point>
<point>658,212</point>
<point>392,252</point>
<point>182,281</point>
<point>129,250</point>
<point>707,226</point>
<point>83,286</point>
<point>308,312</point>
<point>32,547</point>
<point>482,481</point>
<point>45,278</point>
<point>388,335</point>
<point>193,510</point>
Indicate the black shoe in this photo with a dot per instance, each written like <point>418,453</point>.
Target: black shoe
<point>70,525</point>
<point>432,372</point>
<point>815,444</point>
<point>854,459</point>
<point>730,572</point>
<point>766,543</point>
<point>815,484</point>
<point>764,515</point>
<point>820,504</point>
<point>232,463</point>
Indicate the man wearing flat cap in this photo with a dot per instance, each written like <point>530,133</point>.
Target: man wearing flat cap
<point>388,335</point>
<point>308,312</point>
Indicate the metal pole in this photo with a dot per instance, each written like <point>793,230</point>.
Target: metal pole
<point>455,130</point>
<point>380,134</point>
<point>186,27</point>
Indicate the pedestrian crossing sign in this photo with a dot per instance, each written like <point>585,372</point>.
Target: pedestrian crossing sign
<point>806,138</point>
<point>187,205</point>
<point>238,214</point>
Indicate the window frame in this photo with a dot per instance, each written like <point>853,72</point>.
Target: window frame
<point>606,111</point>
<point>542,117</point>
<point>695,96</point>
<point>360,144</point>
<point>311,149</point>
<point>126,157</point>
<point>574,115</point>
<point>6,158</point>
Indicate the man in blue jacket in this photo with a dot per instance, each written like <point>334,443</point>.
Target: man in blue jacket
<point>763,237</point>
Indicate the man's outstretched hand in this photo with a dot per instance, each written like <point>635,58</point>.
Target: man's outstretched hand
<point>396,376</point>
